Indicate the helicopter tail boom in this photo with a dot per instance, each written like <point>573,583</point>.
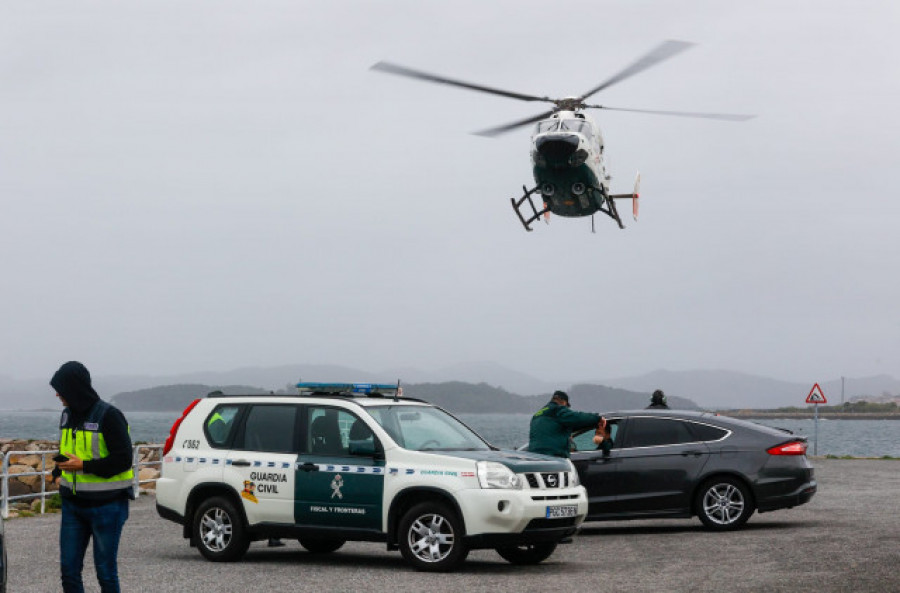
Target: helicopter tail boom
<point>633,196</point>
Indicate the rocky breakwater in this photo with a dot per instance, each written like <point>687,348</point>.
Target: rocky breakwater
<point>29,466</point>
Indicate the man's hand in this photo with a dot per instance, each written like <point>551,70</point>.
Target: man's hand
<point>72,464</point>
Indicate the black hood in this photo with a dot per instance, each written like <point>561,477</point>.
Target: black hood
<point>73,382</point>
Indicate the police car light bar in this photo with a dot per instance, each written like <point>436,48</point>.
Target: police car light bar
<point>383,389</point>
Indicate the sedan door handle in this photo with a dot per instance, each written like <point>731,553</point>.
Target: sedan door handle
<point>309,467</point>
<point>694,453</point>
<point>240,463</point>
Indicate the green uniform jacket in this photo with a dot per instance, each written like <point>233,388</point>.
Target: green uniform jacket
<point>552,425</point>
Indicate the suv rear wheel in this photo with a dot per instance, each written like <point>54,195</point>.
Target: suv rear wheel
<point>219,530</point>
<point>431,538</point>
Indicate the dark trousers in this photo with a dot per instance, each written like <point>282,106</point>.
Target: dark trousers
<point>79,524</point>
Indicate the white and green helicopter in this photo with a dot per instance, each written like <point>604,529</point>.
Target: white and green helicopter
<point>567,147</point>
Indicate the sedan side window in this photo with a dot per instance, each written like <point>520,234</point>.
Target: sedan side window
<point>654,432</point>
<point>585,440</point>
<point>270,428</point>
<point>705,432</point>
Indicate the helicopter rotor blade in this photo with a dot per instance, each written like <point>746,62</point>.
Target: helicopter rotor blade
<point>491,132</point>
<point>719,116</point>
<point>409,72</point>
<point>663,51</point>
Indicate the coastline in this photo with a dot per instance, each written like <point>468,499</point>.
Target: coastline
<point>768,414</point>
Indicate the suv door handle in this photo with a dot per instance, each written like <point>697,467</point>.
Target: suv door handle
<point>240,462</point>
<point>309,467</point>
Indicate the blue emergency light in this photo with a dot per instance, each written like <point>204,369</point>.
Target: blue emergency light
<point>348,388</point>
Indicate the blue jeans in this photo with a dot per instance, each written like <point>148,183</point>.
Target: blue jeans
<point>79,524</point>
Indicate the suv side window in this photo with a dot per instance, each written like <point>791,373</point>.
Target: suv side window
<point>654,432</point>
<point>220,424</point>
<point>333,431</point>
<point>270,428</point>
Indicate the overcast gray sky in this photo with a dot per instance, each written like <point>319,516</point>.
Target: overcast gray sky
<point>207,185</point>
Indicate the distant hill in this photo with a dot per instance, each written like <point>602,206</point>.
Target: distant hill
<point>175,398</point>
<point>717,389</point>
<point>710,389</point>
<point>460,397</point>
<point>454,396</point>
<point>602,398</point>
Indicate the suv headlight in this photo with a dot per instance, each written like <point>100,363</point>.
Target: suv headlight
<point>573,474</point>
<point>496,475</point>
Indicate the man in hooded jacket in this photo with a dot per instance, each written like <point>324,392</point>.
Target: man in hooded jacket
<point>96,481</point>
<point>658,401</point>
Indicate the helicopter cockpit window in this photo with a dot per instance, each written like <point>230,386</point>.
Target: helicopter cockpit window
<point>571,125</point>
<point>546,126</point>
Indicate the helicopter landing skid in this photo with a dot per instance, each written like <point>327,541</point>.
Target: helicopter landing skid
<point>610,210</point>
<point>517,204</point>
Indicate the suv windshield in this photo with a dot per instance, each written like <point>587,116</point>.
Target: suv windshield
<point>422,428</point>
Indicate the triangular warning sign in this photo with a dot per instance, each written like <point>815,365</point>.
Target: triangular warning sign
<point>816,396</point>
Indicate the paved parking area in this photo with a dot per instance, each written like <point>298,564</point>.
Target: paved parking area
<point>845,539</point>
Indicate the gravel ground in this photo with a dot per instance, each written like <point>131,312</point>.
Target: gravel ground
<point>846,539</point>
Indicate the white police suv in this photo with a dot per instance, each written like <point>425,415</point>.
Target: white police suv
<point>359,462</point>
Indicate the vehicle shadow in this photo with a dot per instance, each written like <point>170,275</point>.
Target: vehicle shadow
<point>657,528</point>
<point>388,562</point>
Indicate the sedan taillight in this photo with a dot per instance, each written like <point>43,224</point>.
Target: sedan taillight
<point>792,448</point>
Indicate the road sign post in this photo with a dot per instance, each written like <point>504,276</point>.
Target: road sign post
<point>816,397</point>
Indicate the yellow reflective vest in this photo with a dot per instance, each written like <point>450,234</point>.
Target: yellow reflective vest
<point>86,442</point>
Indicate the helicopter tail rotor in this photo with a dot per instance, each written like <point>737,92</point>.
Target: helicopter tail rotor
<point>633,196</point>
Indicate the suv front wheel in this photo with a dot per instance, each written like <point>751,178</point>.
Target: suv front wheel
<point>219,530</point>
<point>431,538</point>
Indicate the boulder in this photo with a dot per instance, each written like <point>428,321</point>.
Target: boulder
<point>148,473</point>
<point>32,460</point>
<point>17,488</point>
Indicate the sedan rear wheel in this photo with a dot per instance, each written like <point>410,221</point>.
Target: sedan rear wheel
<point>527,553</point>
<point>321,545</point>
<point>724,503</point>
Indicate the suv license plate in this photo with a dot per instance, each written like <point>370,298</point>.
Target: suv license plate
<point>560,512</point>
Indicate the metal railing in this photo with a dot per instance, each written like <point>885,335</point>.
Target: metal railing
<point>46,468</point>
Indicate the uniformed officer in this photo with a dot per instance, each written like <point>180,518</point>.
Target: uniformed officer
<point>95,481</point>
<point>552,425</point>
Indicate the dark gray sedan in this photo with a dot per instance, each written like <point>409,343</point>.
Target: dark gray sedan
<point>668,463</point>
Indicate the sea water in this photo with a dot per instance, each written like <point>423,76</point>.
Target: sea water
<point>856,438</point>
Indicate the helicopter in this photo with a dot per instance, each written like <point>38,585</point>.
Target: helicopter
<point>568,151</point>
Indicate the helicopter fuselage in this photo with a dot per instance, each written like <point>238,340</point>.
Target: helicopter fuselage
<point>568,164</point>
